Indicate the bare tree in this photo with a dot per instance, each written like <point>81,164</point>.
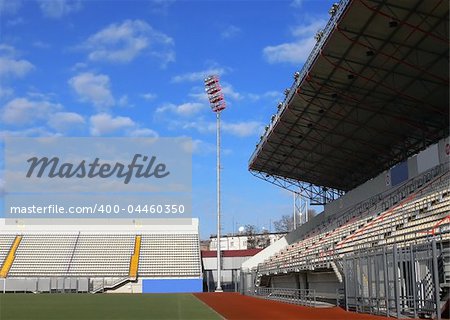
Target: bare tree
<point>284,224</point>
<point>250,231</point>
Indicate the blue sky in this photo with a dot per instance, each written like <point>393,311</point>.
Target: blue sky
<point>136,68</point>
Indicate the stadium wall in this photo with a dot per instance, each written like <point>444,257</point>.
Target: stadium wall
<point>172,285</point>
<point>430,157</point>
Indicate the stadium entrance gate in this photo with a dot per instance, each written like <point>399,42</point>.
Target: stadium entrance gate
<point>394,282</point>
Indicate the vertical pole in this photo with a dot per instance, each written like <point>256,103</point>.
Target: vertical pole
<point>413,278</point>
<point>436,280</point>
<point>369,280</point>
<point>387,293</point>
<point>295,211</point>
<point>396,279</point>
<point>356,284</point>
<point>346,274</point>
<point>376,262</point>
<point>219,287</point>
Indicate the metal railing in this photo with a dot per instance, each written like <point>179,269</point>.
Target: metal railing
<point>305,297</point>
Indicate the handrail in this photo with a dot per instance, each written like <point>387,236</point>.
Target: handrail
<point>73,252</point>
<point>10,257</point>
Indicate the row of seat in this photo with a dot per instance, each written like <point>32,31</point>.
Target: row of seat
<point>408,221</point>
<point>102,255</point>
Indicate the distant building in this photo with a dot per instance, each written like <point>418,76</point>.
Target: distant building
<point>244,241</point>
<point>204,244</point>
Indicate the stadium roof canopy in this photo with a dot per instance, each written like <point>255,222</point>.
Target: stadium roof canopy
<point>374,91</point>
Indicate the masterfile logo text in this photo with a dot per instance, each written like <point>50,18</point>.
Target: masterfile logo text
<point>98,177</point>
<point>61,164</point>
<point>54,169</point>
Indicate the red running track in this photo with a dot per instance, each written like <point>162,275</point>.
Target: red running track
<point>233,306</point>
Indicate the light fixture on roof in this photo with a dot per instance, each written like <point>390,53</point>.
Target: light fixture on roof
<point>280,104</point>
<point>266,128</point>
<point>273,118</point>
<point>286,91</point>
<point>296,75</point>
<point>318,35</point>
<point>333,9</point>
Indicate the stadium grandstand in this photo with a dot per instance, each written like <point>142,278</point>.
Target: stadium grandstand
<point>126,257</point>
<point>364,131</point>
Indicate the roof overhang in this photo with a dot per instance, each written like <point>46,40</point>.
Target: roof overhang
<point>374,91</point>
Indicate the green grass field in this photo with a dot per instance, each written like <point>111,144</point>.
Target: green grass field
<point>103,306</point>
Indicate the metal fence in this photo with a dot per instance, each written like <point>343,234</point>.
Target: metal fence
<point>400,281</point>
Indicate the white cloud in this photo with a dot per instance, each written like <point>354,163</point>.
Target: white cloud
<point>297,51</point>
<point>79,65</point>
<point>243,129</point>
<point>29,132</point>
<point>230,31</point>
<point>148,96</point>
<point>297,3</point>
<point>59,8</point>
<point>12,67</point>
<point>16,68</point>
<point>62,121</point>
<point>239,129</point>
<point>94,88</point>
<point>272,95</point>
<point>123,101</point>
<point>6,92</point>
<point>124,42</point>
<point>198,146</point>
<point>41,44</point>
<point>14,22</point>
<point>22,111</point>
<point>103,123</point>
<point>7,50</point>
<point>185,109</point>
<point>161,6</point>
<point>230,93</point>
<point>198,75</point>
<point>143,132</point>
<point>10,6</point>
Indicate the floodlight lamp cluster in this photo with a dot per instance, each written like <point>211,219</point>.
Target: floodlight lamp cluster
<point>215,94</point>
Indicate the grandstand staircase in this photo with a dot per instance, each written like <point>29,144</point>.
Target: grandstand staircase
<point>111,284</point>
<point>10,257</point>
<point>134,262</point>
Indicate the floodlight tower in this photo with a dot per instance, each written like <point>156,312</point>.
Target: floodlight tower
<point>217,103</point>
